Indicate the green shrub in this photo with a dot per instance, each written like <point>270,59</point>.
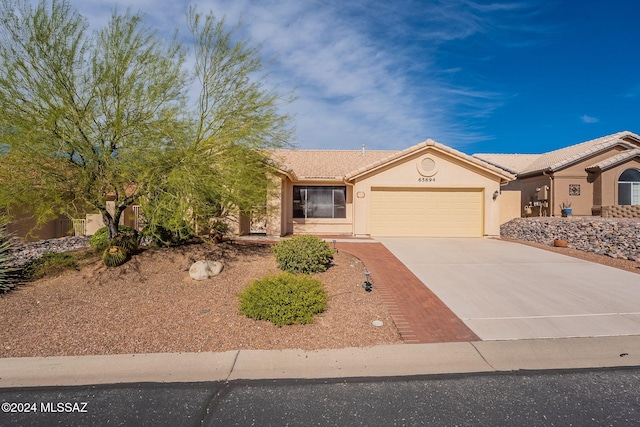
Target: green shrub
<point>162,236</point>
<point>114,256</point>
<point>284,299</point>
<point>303,254</point>
<point>7,273</point>
<point>49,263</point>
<point>100,240</point>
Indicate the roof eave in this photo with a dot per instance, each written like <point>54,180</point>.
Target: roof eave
<point>598,167</point>
<point>505,176</point>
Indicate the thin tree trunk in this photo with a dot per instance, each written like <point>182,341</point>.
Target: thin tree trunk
<point>111,222</point>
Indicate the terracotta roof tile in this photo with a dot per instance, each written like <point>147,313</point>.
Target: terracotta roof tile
<point>338,165</point>
<point>326,164</point>
<point>439,146</point>
<point>558,159</point>
<point>615,160</point>
<point>510,162</point>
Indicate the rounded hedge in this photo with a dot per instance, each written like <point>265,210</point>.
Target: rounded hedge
<point>303,254</point>
<point>284,299</point>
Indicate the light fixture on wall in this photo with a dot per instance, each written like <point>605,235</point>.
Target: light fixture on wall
<point>496,194</point>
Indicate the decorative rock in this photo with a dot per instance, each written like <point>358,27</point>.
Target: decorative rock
<point>22,253</point>
<point>607,236</point>
<point>202,270</point>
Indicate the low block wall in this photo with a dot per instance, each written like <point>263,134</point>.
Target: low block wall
<point>621,211</point>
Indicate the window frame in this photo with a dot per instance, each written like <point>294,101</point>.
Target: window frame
<point>627,189</point>
<point>303,207</point>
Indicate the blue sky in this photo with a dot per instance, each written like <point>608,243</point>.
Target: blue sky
<point>501,77</point>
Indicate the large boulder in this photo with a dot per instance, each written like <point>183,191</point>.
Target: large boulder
<point>202,270</point>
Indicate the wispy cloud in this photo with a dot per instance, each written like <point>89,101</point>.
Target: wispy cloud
<point>633,92</point>
<point>364,71</point>
<point>589,119</point>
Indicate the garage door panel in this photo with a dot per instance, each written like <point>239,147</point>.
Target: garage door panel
<point>427,212</point>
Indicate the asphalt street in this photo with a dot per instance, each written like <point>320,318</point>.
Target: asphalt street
<point>532,398</point>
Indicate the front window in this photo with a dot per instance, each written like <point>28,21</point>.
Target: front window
<point>319,202</point>
<point>629,187</point>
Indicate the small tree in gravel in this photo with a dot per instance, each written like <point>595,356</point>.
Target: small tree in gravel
<point>116,114</point>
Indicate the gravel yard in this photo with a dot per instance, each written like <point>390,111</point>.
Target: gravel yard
<point>151,305</point>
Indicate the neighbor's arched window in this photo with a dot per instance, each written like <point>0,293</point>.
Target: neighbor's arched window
<point>629,187</point>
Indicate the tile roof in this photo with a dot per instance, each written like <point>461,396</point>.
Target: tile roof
<point>441,147</point>
<point>615,160</point>
<point>338,165</point>
<point>326,164</point>
<point>558,159</point>
<point>510,162</point>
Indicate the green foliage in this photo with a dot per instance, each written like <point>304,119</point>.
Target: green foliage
<point>86,115</point>
<point>49,264</point>
<point>114,256</point>
<point>219,227</point>
<point>303,254</point>
<point>163,236</point>
<point>8,275</point>
<point>127,237</point>
<point>127,242</point>
<point>284,299</point>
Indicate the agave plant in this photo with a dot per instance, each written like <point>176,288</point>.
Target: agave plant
<point>7,273</point>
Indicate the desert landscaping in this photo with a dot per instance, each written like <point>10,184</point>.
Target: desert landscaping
<point>151,305</point>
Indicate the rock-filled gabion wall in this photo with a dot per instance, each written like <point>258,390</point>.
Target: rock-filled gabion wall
<point>615,237</point>
<point>23,253</point>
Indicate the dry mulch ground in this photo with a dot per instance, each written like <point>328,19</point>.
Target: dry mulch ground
<point>151,305</point>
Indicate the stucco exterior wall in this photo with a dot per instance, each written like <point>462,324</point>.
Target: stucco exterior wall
<point>275,208</point>
<point>527,188</point>
<point>451,173</point>
<point>610,178</point>
<point>567,180</point>
<point>94,222</point>
<point>290,225</point>
<point>564,191</point>
<point>23,227</point>
<point>509,205</point>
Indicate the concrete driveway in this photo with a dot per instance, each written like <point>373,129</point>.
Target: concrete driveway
<point>504,290</point>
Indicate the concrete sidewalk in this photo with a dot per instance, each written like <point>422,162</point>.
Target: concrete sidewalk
<point>380,361</point>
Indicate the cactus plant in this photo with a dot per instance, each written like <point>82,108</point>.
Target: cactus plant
<point>114,256</point>
<point>125,241</point>
<point>100,239</point>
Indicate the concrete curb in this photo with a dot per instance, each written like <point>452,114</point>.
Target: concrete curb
<point>379,361</point>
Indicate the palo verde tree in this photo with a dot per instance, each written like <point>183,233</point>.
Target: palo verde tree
<point>87,117</point>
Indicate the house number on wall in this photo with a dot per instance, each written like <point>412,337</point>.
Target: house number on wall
<point>426,179</point>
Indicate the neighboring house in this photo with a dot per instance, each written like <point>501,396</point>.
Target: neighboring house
<point>597,177</point>
<point>426,190</point>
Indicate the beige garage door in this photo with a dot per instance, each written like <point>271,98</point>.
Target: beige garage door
<point>426,212</point>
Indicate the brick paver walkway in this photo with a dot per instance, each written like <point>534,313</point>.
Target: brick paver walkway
<point>419,315</point>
